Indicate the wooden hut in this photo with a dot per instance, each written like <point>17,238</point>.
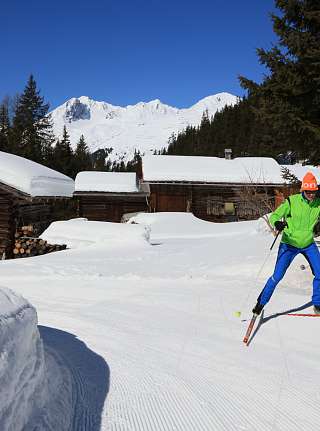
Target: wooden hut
<point>108,196</point>
<point>212,188</point>
<point>30,194</point>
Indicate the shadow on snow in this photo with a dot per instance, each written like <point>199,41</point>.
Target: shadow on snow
<point>264,320</point>
<point>89,372</point>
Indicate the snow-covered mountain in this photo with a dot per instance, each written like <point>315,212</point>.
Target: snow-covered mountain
<point>145,126</point>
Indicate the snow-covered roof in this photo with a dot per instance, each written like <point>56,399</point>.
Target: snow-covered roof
<point>243,170</point>
<point>32,178</point>
<point>299,170</point>
<point>107,182</point>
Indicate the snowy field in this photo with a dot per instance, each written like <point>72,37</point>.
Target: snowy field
<point>140,331</point>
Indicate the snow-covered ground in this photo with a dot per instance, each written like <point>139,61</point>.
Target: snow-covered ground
<point>139,324</point>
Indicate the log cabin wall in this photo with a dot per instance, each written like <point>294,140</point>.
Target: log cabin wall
<point>41,212</point>
<point>216,203</point>
<point>109,208</point>
<point>18,209</point>
<point>37,213</point>
<point>7,227</point>
<point>16,212</point>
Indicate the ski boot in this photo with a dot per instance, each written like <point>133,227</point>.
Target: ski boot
<point>316,309</point>
<point>257,308</point>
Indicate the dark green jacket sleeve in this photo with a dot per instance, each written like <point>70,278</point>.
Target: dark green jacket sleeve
<point>283,210</point>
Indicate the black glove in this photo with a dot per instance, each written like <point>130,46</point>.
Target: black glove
<point>280,225</point>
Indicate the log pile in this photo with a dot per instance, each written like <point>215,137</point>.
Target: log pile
<point>27,245</point>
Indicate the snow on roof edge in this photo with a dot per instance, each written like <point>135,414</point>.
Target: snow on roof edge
<point>33,179</point>
<point>106,182</point>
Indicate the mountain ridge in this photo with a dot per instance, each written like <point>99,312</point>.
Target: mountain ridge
<point>145,126</point>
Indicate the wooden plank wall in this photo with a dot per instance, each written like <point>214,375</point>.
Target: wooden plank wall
<point>109,208</point>
<point>18,211</point>
<point>7,228</point>
<point>40,212</point>
<point>37,214</point>
<point>206,202</point>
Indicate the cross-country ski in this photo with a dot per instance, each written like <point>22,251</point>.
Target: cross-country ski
<point>303,315</point>
<point>250,329</point>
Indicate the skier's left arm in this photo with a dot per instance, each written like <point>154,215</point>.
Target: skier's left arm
<point>281,212</point>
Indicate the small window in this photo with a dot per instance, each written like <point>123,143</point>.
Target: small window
<point>229,208</point>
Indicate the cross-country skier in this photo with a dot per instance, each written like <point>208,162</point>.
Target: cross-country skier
<point>296,217</point>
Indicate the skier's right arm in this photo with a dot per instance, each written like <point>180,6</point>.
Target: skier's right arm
<point>282,211</point>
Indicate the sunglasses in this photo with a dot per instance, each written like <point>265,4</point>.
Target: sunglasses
<point>309,193</point>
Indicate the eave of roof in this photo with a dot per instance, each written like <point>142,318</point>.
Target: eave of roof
<point>217,184</point>
<point>26,196</point>
<point>136,194</point>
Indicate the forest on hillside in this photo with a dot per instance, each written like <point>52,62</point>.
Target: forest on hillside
<point>280,117</point>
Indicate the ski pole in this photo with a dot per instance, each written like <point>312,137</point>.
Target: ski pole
<point>238,313</point>
<point>277,236</point>
<point>274,241</point>
<point>254,316</point>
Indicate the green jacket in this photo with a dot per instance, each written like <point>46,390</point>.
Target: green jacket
<point>301,217</point>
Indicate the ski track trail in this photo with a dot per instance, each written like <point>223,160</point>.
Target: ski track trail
<point>217,395</point>
<point>175,351</point>
<point>181,381</point>
<point>205,398</point>
<point>84,379</point>
<point>82,408</point>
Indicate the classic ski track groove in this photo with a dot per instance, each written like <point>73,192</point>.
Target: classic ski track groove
<point>165,403</point>
<point>83,410</point>
<point>197,376</point>
<point>214,403</point>
<point>212,406</point>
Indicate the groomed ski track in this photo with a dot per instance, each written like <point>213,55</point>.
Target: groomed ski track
<point>78,381</point>
<point>156,386</point>
<point>148,340</point>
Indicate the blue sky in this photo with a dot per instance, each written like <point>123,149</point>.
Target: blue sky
<point>123,51</point>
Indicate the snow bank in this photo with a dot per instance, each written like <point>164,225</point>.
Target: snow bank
<point>22,389</point>
<point>242,170</point>
<point>108,182</point>
<point>186,225</point>
<point>80,232</point>
<point>33,178</point>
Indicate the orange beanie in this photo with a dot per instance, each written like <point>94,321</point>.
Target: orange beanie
<point>309,182</point>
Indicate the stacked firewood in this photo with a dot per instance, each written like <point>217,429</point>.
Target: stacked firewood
<point>27,245</point>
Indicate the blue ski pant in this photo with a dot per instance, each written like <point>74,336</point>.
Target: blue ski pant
<point>286,254</point>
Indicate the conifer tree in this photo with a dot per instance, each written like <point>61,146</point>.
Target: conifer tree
<point>99,161</point>
<point>289,176</point>
<point>289,97</point>
<point>82,158</point>
<point>32,129</point>
<point>135,165</point>
<point>63,155</point>
<point>4,126</point>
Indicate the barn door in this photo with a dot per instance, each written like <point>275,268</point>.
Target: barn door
<point>172,203</point>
